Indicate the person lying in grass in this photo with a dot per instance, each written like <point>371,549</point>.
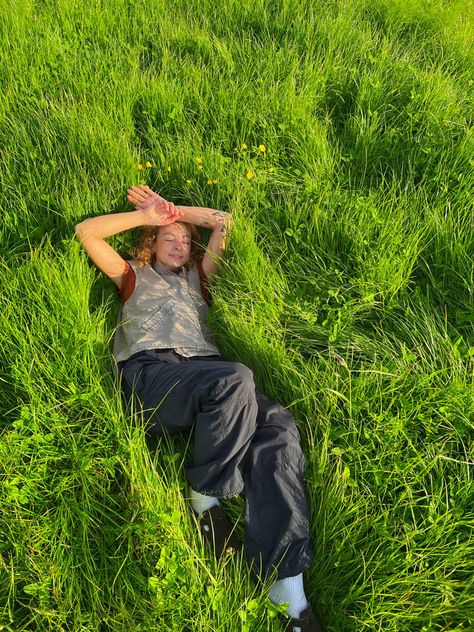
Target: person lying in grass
<point>169,363</point>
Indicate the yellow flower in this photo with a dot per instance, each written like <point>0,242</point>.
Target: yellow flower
<point>199,159</point>
<point>211,181</point>
<point>250,174</point>
<point>168,168</point>
<point>214,182</point>
<point>140,166</point>
<point>244,146</point>
<point>271,170</point>
<point>148,165</point>
<point>262,148</point>
<point>189,181</point>
<point>200,167</point>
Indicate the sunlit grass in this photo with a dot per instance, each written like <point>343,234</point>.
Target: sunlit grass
<point>339,136</point>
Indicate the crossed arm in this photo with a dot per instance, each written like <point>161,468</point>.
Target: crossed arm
<point>150,210</point>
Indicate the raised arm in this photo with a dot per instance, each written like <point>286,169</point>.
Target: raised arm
<point>215,250</point>
<point>93,231</point>
<point>218,221</point>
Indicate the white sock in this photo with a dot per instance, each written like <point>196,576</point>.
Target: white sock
<point>200,502</point>
<point>289,590</point>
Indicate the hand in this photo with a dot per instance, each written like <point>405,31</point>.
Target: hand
<point>157,211</point>
<point>141,195</point>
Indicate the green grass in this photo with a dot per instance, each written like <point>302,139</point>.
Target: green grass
<point>347,288</point>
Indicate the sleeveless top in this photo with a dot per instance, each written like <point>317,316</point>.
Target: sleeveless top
<point>166,310</point>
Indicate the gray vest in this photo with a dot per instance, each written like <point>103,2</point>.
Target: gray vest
<point>165,311</point>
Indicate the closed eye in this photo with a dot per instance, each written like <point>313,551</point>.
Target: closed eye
<point>186,241</point>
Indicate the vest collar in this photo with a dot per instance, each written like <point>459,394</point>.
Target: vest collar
<point>163,270</point>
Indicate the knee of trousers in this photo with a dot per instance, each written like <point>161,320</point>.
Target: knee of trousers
<point>235,375</point>
<point>233,394</point>
<point>242,373</point>
<point>278,430</point>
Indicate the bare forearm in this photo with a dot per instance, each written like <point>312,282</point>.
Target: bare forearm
<point>217,241</point>
<point>214,251</point>
<point>205,217</point>
<point>111,224</point>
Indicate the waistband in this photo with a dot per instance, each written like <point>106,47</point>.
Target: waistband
<point>166,356</point>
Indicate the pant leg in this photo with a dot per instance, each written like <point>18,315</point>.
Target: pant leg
<point>277,515</point>
<point>214,396</point>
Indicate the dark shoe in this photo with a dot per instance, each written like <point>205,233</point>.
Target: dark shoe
<point>219,532</point>
<point>307,622</point>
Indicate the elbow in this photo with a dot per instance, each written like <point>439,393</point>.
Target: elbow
<point>80,230</point>
<point>225,220</point>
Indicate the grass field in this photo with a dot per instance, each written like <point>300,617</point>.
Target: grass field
<point>339,135</point>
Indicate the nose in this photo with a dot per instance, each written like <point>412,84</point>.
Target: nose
<point>182,244</point>
<point>177,245</point>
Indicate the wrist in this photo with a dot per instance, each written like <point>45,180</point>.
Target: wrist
<point>143,218</point>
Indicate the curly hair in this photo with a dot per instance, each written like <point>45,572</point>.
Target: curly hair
<point>144,249</point>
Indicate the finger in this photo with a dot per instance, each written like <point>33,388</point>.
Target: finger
<point>133,199</point>
<point>147,190</point>
<point>135,191</point>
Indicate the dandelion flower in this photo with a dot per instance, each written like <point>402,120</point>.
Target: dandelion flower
<point>168,168</point>
<point>209,181</point>
<point>199,160</point>
<point>214,182</point>
<point>148,165</point>
<point>262,148</point>
<point>244,146</point>
<point>140,166</point>
<point>189,181</point>
<point>250,174</point>
<point>271,170</point>
<point>200,167</point>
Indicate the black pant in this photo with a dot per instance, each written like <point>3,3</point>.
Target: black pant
<point>242,441</point>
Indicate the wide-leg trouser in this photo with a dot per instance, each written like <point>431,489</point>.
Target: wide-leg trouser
<point>243,441</point>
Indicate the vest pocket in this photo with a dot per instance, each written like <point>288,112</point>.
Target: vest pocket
<point>159,314</point>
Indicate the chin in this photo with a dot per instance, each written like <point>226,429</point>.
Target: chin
<point>176,266</point>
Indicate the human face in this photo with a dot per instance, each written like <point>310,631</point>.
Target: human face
<point>173,246</point>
